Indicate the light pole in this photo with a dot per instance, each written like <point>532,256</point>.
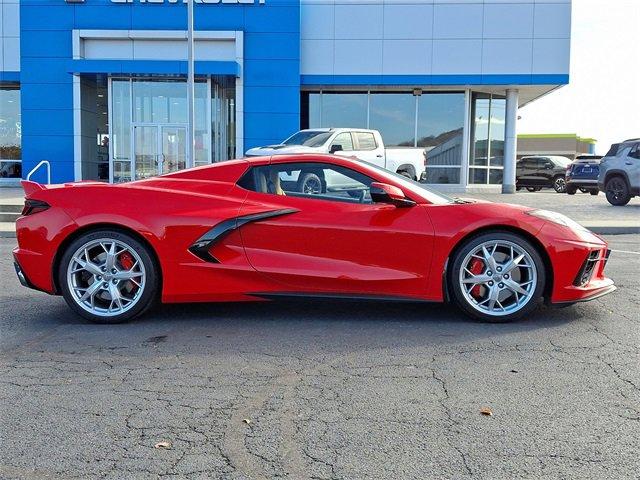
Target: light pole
<point>191,130</point>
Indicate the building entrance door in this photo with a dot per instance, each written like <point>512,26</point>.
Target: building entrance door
<point>159,149</point>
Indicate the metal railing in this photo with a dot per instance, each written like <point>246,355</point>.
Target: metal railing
<point>34,169</point>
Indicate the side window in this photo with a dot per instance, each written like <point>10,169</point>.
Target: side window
<point>344,140</point>
<point>635,152</point>
<point>366,141</point>
<point>313,180</point>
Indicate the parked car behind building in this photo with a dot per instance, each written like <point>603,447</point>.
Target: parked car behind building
<point>537,172</point>
<point>582,174</point>
<point>619,175</point>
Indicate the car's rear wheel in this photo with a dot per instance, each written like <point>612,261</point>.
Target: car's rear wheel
<point>559,184</point>
<point>108,276</point>
<point>571,190</point>
<point>617,191</point>
<point>497,277</point>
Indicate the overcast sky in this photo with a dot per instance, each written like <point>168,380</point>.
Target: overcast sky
<point>602,99</point>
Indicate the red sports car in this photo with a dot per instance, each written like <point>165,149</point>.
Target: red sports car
<point>299,225</point>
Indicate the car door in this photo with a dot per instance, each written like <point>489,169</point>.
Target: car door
<point>368,148</point>
<point>632,166</point>
<point>540,175</point>
<point>336,240</point>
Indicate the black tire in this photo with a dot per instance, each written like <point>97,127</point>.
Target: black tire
<point>150,287</point>
<point>594,192</point>
<point>571,190</point>
<point>559,184</point>
<point>310,183</point>
<point>404,173</point>
<point>617,191</point>
<point>532,189</point>
<point>456,264</point>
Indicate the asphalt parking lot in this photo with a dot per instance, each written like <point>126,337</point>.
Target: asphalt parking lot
<point>321,390</point>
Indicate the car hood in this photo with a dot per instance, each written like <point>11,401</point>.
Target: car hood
<point>280,149</point>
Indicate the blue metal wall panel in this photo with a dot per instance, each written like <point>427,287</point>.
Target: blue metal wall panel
<point>271,63</point>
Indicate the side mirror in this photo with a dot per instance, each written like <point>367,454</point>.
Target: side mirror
<point>336,147</point>
<point>385,193</point>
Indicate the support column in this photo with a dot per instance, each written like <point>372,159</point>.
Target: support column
<point>510,142</point>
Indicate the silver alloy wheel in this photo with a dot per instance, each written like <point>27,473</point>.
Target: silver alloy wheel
<point>498,278</point>
<point>560,185</point>
<point>106,277</point>
<point>312,186</point>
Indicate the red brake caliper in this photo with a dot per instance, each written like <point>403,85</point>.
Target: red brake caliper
<point>477,266</point>
<point>126,262</point>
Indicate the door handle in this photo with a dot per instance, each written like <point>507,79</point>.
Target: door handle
<point>379,155</point>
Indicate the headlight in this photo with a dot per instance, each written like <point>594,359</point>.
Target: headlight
<point>558,218</point>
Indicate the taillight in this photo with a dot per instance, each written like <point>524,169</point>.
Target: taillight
<point>34,206</point>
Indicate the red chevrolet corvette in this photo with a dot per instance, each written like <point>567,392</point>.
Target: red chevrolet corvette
<point>299,225</point>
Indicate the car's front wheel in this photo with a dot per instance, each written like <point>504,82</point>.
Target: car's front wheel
<point>108,276</point>
<point>497,277</point>
<point>559,184</point>
<point>617,191</point>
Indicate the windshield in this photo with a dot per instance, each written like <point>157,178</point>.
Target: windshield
<point>561,161</point>
<point>308,138</point>
<point>419,189</point>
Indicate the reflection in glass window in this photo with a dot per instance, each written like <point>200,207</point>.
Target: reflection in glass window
<point>393,115</point>
<point>10,133</point>
<point>344,110</point>
<point>487,155</point>
<point>440,125</point>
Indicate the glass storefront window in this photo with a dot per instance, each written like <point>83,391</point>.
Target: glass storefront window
<point>487,154</point>
<point>344,110</point>
<point>394,116</point>
<point>10,133</point>
<point>437,117</point>
<point>121,130</point>
<point>149,120</point>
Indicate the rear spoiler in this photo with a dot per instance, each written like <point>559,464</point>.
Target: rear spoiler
<point>30,187</point>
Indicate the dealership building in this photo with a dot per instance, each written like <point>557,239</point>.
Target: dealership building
<point>98,87</point>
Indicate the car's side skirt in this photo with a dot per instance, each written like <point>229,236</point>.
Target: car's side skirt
<point>336,296</point>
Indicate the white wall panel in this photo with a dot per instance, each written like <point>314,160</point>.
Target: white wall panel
<point>457,20</point>
<point>402,57</point>
<point>316,21</point>
<point>551,55</point>
<point>410,22</point>
<point>358,57</point>
<point>11,19</point>
<point>11,53</point>
<point>508,20</point>
<point>552,20</point>
<point>457,57</point>
<point>507,56</point>
<point>316,57</point>
<point>9,35</point>
<point>354,21</point>
<point>467,36</point>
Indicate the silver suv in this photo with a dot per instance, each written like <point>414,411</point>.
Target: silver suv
<point>619,176</point>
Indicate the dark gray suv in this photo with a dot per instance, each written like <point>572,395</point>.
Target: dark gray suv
<point>619,176</point>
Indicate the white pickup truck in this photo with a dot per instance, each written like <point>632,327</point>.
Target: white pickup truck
<point>358,143</point>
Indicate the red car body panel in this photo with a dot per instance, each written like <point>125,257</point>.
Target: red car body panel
<point>314,247</point>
